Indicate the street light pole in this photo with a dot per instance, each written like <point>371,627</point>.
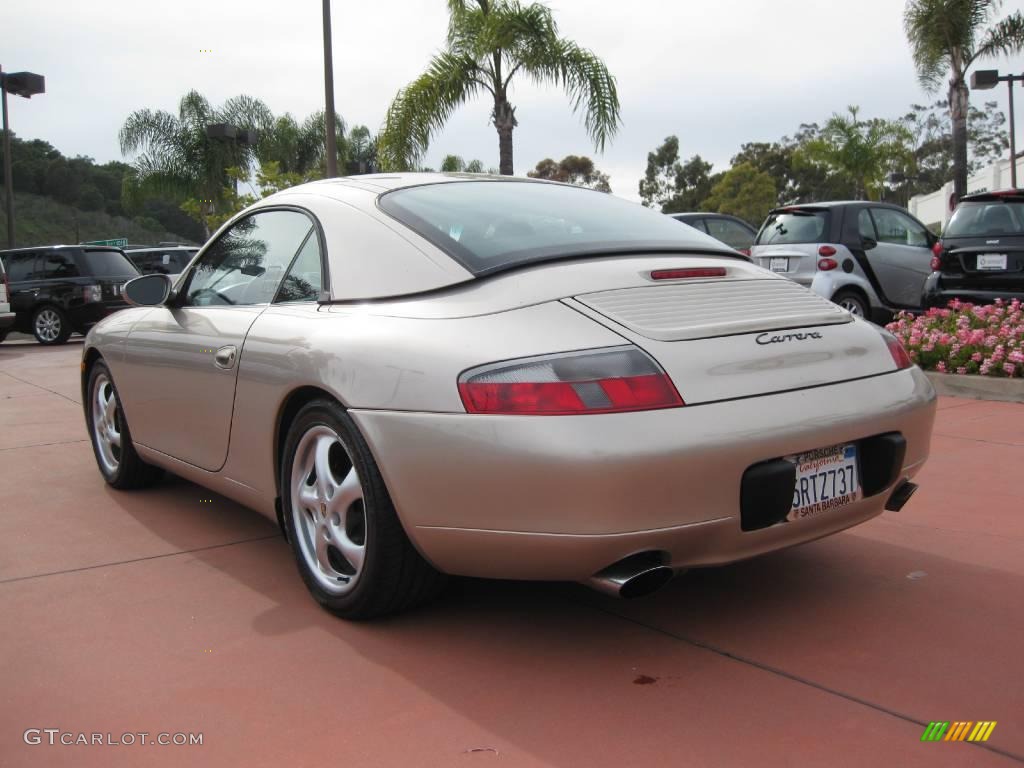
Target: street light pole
<point>1013,136</point>
<point>983,80</point>
<point>332,146</point>
<point>8,173</point>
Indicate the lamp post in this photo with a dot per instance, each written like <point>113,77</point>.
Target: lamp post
<point>986,79</point>
<point>228,132</point>
<point>332,146</point>
<point>26,84</point>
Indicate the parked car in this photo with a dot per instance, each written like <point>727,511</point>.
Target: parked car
<point>60,289</point>
<point>870,258</point>
<point>6,315</point>
<point>981,255</point>
<point>732,231</point>
<point>419,374</point>
<point>167,260</point>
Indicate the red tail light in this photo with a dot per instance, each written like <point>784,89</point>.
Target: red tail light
<point>826,264</point>
<point>899,354</point>
<point>679,274</point>
<point>826,250</point>
<point>606,381</point>
<point>744,251</point>
<point>937,248</point>
<point>936,264</point>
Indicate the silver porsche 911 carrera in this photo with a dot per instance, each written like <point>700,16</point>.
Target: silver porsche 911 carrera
<point>421,374</point>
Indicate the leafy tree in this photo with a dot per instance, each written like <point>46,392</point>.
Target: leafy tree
<point>861,153</point>
<point>674,186</point>
<point>176,159</point>
<point>61,182</point>
<point>362,151</point>
<point>300,148</point>
<point>743,191</point>
<point>91,199</point>
<point>948,37</point>
<point>489,42</point>
<point>572,169</point>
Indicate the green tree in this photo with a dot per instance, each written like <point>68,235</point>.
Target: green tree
<point>489,42</point>
<point>674,186</point>
<point>175,158</point>
<point>362,151</point>
<point>948,37</point>
<point>743,191</point>
<point>861,153</point>
<point>299,148</point>
<point>572,169</point>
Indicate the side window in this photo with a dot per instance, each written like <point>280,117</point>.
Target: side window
<point>20,266</point>
<point>57,265</point>
<point>305,279</point>
<point>729,232</point>
<point>245,265</point>
<point>898,228</point>
<point>866,226</point>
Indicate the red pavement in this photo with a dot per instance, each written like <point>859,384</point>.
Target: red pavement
<point>153,612</point>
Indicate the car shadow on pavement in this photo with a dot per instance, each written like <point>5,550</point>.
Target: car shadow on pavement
<point>857,618</point>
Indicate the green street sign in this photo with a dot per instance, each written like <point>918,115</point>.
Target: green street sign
<point>119,242</point>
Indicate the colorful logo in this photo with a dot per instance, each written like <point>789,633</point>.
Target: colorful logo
<point>959,731</point>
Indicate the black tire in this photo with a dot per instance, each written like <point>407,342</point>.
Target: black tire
<point>393,576</point>
<point>853,302</point>
<point>129,471</point>
<point>3,335</point>
<point>50,325</point>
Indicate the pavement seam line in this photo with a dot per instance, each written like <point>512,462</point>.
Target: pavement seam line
<point>790,676</point>
<point>38,386</point>
<point>139,559</point>
<point>40,445</point>
<point>980,440</point>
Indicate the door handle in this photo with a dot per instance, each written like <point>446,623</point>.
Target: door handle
<point>225,357</point>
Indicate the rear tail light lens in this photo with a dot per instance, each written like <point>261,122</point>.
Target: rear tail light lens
<point>690,272</point>
<point>936,264</point>
<point>937,258</point>
<point>826,264</point>
<point>92,293</point>
<point>744,251</point>
<point>606,381</point>
<point>937,248</point>
<point>899,354</point>
<point>826,250</point>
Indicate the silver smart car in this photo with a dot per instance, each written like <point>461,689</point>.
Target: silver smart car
<point>870,258</point>
<point>428,374</point>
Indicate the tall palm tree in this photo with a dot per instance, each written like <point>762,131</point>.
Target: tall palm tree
<point>301,148</point>
<point>948,36</point>
<point>489,42</point>
<point>175,158</point>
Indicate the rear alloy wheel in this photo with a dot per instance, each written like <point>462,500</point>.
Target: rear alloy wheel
<point>347,540</point>
<point>111,441</point>
<point>50,326</point>
<point>852,303</point>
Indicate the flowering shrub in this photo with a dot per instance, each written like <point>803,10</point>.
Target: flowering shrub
<point>966,338</point>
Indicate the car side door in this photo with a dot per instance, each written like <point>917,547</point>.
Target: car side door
<point>181,360</point>
<point>901,260</point>
<point>21,273</point>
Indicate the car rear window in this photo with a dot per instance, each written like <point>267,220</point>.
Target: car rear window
<point>488,226</point>
<point>978,218</point>
<point>108,264</point>
<point>803,226</point>
<point>162,262</point>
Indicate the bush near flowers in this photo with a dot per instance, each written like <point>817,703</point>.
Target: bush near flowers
<point>966,338</point>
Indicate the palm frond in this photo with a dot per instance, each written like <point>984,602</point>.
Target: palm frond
<point>1005,38</point>
<point>145,128</point>
<point>423,107</point>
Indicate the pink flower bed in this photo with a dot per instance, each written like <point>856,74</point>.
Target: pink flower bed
<point>966,338</point>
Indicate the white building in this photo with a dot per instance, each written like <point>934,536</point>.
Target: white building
<point>934,209</point>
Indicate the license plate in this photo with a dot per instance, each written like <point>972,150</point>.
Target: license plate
<point>777,264</point>
<point>826,479</point>
<point>991,261</point>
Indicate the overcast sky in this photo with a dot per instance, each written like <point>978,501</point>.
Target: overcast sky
<point>716,74</point>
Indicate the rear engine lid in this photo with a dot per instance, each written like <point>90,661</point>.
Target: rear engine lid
<point>700,309</point>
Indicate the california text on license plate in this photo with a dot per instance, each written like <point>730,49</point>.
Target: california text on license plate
<point>826,479</point>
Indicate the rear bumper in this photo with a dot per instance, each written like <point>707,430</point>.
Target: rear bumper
<point>938,295</point>
<point>6,320</point>
<point>563,497</point>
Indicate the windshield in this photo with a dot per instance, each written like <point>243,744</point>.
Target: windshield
<point>109,264</point>
<point>794,227</point>
<point>986,217</point>
<point>491,225</point>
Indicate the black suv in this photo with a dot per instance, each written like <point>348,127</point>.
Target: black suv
<point>981,255</point>
<point>58,289</point>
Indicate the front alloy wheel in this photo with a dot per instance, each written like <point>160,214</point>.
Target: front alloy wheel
<point>106,424</point>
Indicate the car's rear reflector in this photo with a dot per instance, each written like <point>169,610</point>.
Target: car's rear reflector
<point>689,272</point>
<point>605,381</point>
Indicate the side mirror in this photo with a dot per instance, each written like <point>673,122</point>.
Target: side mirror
<point>148,290</point>
<point>869,243</point>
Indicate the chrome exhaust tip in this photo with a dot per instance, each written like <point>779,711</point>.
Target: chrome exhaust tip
<point>634,576</point>
<point>900,496</point>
